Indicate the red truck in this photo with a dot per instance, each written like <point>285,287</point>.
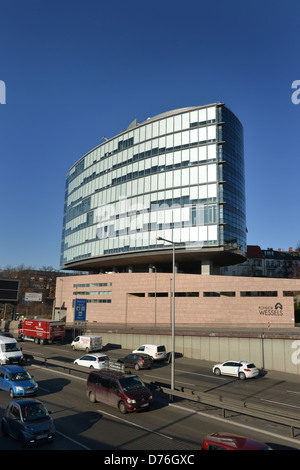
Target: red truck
<point>42,331</point>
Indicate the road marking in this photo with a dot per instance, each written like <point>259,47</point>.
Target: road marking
<point>280,403</point>
<point>202,375</point>
<point>73,440</point>
<point>169,380</point>
<point>185,372</point>
<point>45,389</point>
<point>58,372</point>
<point>134,424</point>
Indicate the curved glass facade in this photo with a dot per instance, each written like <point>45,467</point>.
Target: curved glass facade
<point>178,176</point>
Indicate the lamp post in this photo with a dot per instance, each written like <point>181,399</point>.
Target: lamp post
<point>155,270</point>
<point>61,292</point>
<point>173,316</point>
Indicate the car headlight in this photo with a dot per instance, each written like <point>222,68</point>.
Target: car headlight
<point>36,386</point>
<point>19,389</point>
<point>130,401</point>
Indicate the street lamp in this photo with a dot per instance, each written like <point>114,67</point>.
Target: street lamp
<point>154,267</point>
<point>173,316</point>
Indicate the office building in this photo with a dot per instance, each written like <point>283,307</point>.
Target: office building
<point>178,176</point>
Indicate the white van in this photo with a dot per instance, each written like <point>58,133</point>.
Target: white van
<point>10,351</point>
<point>87,343</point>
<point>157,351</point>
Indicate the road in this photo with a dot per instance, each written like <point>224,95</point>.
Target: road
<point>175,427</point>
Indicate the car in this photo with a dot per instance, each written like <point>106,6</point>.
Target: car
<point>241,369</point>
<point>7,334</point>
<point>138,361</point>
<point>116,388</point>
<point>156,351</point>
<point>226,441</point>
<point>17,381</point>
<point>28,421</point>
<point>93,361</point>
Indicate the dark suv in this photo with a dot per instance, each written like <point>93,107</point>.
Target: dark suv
<point>124,391</point>
<point>138,361</point>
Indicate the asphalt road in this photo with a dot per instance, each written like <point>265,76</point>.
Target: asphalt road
<point>176,427</point>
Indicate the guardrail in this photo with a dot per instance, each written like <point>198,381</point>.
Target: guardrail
<point>51,362</point>
<point>225,404</point>
<point>249,408</point>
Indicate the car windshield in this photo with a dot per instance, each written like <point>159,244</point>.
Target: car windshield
<point>11,347</point>
<point>33,412</point>
<point>21,375</point>
<point>131,383</point>
<point>251,366</point>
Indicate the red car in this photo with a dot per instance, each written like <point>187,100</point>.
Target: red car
<point>226,441</point>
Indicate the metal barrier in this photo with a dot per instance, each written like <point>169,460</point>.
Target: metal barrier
<point>51,362</point>
<point>249,408</point>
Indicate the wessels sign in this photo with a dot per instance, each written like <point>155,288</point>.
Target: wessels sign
<point>271,310</point>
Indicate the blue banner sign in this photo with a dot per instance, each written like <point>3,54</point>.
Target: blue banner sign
<point>80,310</point>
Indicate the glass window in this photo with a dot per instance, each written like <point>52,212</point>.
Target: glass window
<point>170,125</point>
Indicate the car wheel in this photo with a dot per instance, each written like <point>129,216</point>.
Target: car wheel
<point>92,397</point>
<point>11,393</point>
<point>122,407</point>
<point>137,367</point>
<point>242,376</point>
<point>217,371</point>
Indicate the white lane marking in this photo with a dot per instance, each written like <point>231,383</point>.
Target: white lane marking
<point>58,372</point>
<point>202,375</point>
<point>44,389</point>
<point>280,403</point>
<point>73,440</point>
<point>169,380</point>
<point>134,424</point>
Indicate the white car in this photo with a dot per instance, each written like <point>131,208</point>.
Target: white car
<point>241,369</point>
<point>93,361</point>
<point>156,351</point>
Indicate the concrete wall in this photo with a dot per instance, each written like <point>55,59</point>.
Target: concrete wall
<point>270,353</point>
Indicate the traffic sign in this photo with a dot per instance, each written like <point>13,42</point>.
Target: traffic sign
<point>80,310</point>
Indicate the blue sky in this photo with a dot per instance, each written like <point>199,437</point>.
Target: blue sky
<point>78,70</point>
